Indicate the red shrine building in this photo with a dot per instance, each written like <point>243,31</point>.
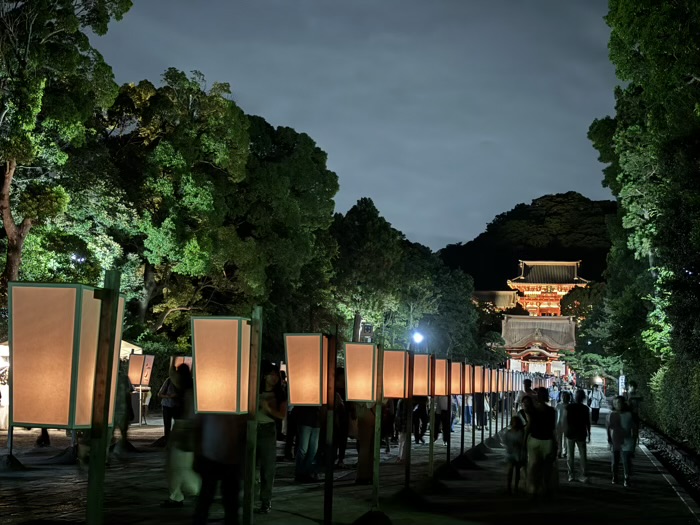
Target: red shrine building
<point>536,341</point>
<point>542,284</point>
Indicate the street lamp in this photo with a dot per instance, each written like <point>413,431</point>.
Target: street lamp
<point>418,338</point>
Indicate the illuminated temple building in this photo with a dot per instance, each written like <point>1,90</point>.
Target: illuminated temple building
<point>536,341</point>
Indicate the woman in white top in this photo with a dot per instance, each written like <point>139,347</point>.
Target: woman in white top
<point>561,422</point>
<point>595,401</point>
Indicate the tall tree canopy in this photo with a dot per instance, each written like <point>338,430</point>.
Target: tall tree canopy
<point>51,82</point>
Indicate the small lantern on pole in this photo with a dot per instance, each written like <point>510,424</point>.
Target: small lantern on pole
<point>361,372</point>
<point>421,375</point>
<point>442,379</point>
<point>221,349</point>
<point>140,367</point>
<point>457,386</point>
<point>306,356</point>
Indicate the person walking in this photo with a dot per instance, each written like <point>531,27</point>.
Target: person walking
<point>420,418</point>
<point>309,429</point>
<point>622,438</point>
<point>179,467</point>
<point>515,451</point>
<point>172,405</point>
<point>541,446</point>
<point>595,401</point>
<point>527,392</point>
<point>272,406</point>
<point>220,444</point>
<point>578,432</point>
<point>561,423</point>
<point>401,425</point>
<point>341,417</point>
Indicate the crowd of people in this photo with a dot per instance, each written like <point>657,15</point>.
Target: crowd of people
<point>556,423</point>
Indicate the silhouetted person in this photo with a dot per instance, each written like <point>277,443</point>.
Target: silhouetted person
<point>622,438</point>
<point>578,431</point>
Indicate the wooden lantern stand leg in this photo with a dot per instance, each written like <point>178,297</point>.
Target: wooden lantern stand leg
<point>99,432</point>
<point>330,423</point>
<point>252,424</point>
<point>11,461</point>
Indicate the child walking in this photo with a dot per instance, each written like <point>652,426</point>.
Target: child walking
<point>515,451</point>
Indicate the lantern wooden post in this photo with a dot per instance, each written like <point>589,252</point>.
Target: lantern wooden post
<point>409,422</point>
<point>99,431</point>
<point>474,368</point>
<point>448,431</point>
<point>252,424</point>
<point>331,361</point>
<point>379,392</point>
<point>431,446</point>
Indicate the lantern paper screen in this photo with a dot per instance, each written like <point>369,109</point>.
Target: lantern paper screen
<point>502,379</point>
<point>457,379</point>
<point>468,379</point>
<point>140,367</point>
<point>221,349</point>
<point>421,375</point>
<point>493,384</point>
<point>396,374</point>
<point>479,386</point>
<point>441,377</point>
<point>53,339</point>
<point>181,359</point>
<point>307,369</point>
<point>361,372</point>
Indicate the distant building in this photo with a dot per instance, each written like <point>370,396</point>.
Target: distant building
<point>535,344</point>
<point>500,300</point>
<point>541,285</point>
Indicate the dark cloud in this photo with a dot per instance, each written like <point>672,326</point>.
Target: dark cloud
<point>444,112</point>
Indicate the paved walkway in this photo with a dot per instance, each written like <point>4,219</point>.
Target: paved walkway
<point>135,486</point>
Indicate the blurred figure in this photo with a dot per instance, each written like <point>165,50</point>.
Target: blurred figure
<point>561,423</point>
<point>341,418</point>
<point>515,454</point>
<point>578,431</point>
<point>595,402</point>
<point>220,444</point>
<point>180,447</point>
<point>541,446</point>
<point>622,438</point>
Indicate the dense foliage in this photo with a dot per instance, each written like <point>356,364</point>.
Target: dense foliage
<point>560,227</point>
<point>651,311</point>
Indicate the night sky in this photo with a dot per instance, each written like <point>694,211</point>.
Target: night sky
<point>444,112</point>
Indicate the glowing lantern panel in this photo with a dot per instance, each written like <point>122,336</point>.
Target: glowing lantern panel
<point>396,374</point>
<point>421,375</point>
<point>307,369</point>
<point>54,330</point>
<point>179,360</point>
<point>468,379</point>
<point>457,379</point>
<point>221,349</point>
<point>441,377</point>
<point>479,386</point>
<point>140,367</point>
<point>361,372</point>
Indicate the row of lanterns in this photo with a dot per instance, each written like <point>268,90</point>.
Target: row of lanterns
<point>61,357</point>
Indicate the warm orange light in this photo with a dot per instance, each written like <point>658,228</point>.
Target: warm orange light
<point>396,374</point>
<point>179,360</point>
<point>221,350</point>
<point>421,375</point>
<point>441,377</point>
<point>479,383</point>
<point>307,369</point>
<point>493,378</point>
<point>457,379</point>
<point>54,331</point>
<point>361,372</point>
<point>140,367</point>
<point>468,379</point>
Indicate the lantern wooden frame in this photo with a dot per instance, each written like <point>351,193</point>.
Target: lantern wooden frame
<point>394,359</point>
<point>372,352</point>
<point>479,386</point>
<point>242,359</point>
<point>79,346</point>
<point>319,343</point>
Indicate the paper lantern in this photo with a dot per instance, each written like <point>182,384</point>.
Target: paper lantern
<point>442,371</point>
<point>468,379</point>
<point>457,379</point>
<point>396,374</point>
<point>421,375</point>
<point>479,383</point>
<point>306,356</point>
<point>361,372</point>
<point>221,350</point>
<point>140,367</point>
<point>54,331</point>
<point>493,380</point>
<point>502,381</point>
<point>181,359</point>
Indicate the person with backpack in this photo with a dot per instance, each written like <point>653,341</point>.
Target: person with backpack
<point>595,402</point>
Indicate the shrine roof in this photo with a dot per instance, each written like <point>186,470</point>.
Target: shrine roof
<point>500,299</point>
<point>549,272</point>
<point>520,331</point>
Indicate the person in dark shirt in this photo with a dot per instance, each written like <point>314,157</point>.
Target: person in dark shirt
<point>578,431</point>
<point>541,445</point>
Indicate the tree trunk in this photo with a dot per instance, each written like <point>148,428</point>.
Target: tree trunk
<point>150,289</point>
<point>16,234</point>
<point>356,327</point>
